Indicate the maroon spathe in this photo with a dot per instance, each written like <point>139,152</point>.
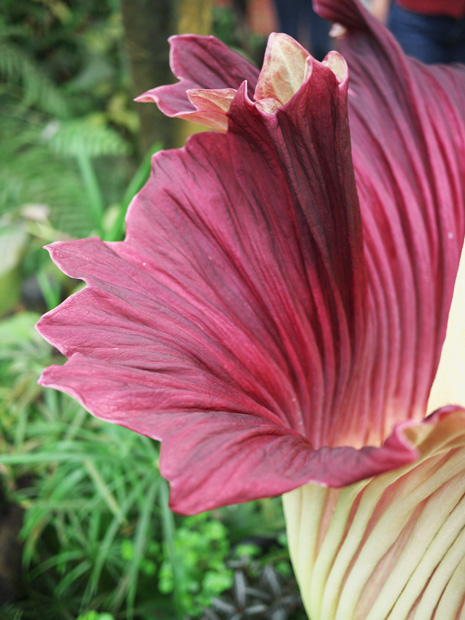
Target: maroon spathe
<point>281,298</point>
<point>449,8</point>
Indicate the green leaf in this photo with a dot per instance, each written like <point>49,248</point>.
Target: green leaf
<point>75,137</point>
<point>18,67</point>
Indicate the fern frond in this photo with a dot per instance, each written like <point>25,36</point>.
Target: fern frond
<point>81,136</point>
<point>37,90</point>
<point>31,174</point>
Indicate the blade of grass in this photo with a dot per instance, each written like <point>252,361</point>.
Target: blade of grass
<point>50,293</point>
<point>108,539</point>
<point>47,457</point>
<point>168,536</point>
<point>92,189</point>
<point>140,540</point>
<point>71,576</point>
<point>116,232</point>
<point>31,537</point>
<point>103,488</point>
<point>72,428</point>
<point>61,558</point>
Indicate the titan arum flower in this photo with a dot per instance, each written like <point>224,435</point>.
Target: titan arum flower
<point>277,311</point>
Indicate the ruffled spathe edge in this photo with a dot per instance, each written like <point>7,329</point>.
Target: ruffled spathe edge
<point>210,75</point>
<point>202,63</point>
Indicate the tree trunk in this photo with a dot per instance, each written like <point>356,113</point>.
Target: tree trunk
<point>148,24</point>
<point>195,17</point>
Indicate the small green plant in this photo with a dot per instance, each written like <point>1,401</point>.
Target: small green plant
<point>98,534</point>
<point>201,547</point>
<point>263,587</point>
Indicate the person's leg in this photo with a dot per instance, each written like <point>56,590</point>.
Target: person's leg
<point>288,17</point>
<point>320,42</point>
<point>422,36</point>
<point>298,19</point>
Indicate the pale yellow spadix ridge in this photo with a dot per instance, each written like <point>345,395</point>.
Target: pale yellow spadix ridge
<point>320,596</point>
<point>449,384</point>
<point>435,592</point>
<point>213,100</point>
<point>391,547</point>
<point>438,525</point>
<point>337,64</point>
<point>286,66</point>
<point>387,529</point>
<point>452,598</point>
<point>284,69</point>
<point>303,526</point>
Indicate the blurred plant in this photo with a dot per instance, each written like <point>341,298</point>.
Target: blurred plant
<point>82,496</point>
<point>25,81</point>
<point>77,55</point>
<point>57,171</point>
<point>230,26</point>
<point>78,511</point>
<point>66,111</point>
<point>201,547</point>
<point>263,588</point>
<point>25,272</point>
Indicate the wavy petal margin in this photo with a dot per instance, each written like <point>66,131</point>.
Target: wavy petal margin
<point>202,63</point>
<point>392,547</point>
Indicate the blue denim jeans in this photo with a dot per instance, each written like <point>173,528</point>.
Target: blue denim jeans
<point>430,38</point>
<point>298,19</point>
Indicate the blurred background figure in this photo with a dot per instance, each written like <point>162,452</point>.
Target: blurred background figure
<point>431,30</point>
<point>257,18</point>
<point>298,19</point>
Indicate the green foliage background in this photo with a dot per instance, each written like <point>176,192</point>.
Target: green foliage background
<point>98,541</point>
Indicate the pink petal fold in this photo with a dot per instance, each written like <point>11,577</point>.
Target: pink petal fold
<point>200,63</point>
<point>407,125</point>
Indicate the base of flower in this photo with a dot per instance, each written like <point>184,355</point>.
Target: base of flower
<point>388,548</point>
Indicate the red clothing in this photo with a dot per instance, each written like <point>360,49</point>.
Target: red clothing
<point>449,8</point>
